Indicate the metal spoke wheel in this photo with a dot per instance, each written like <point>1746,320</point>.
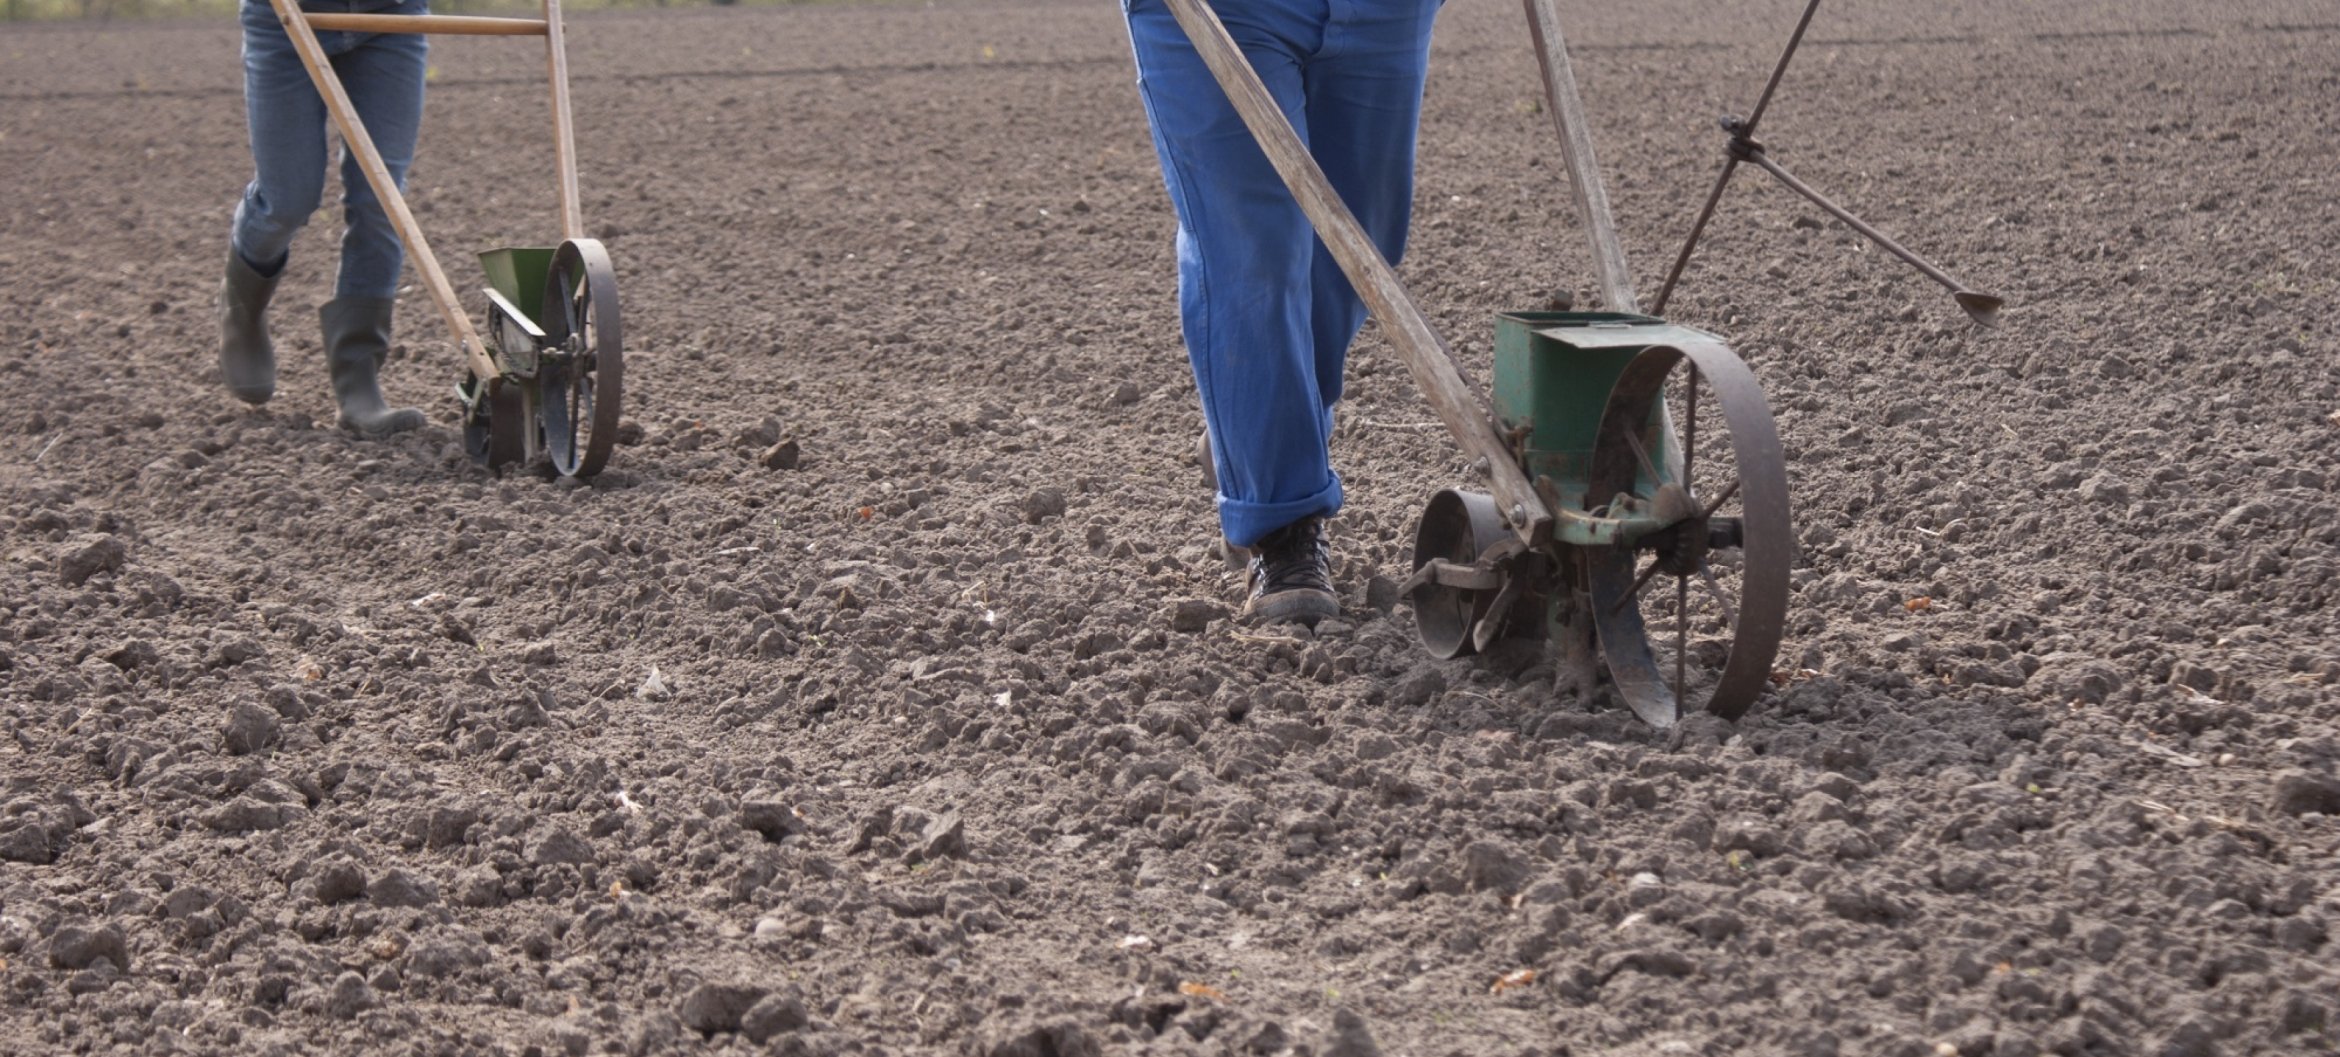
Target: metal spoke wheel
<point>581,375</point>
<point>1689,618</point>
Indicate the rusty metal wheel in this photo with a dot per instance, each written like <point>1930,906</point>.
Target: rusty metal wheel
<point>1690,618</point>
<point>581,375</point>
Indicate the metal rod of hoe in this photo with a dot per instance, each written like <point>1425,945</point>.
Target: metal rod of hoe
<point>1744,147</point>
<point>1425,353</point>
<point>1731,160</point>
<point>1984,308</point>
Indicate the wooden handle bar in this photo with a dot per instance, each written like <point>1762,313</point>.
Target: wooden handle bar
<point>1584,179</point>
<point>1402,322</point>
<point>360,145</point>
<point>556,59</point>
<point>1576,155</point>
<point>454,25</point>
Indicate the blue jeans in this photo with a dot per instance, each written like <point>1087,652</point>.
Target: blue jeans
<point>383,74</point>
<point>1267,315</point>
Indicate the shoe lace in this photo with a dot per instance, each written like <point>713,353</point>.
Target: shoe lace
<point>1293,558</point>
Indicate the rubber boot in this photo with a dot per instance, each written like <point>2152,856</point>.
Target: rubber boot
<point>357,340</point>
<point>247,359</point>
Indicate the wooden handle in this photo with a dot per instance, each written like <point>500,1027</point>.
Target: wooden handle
<point>360,144</point>
<point>564,136</point>
<point>1576,153</point>
<point>453,25</point>
<point>1409,332</point>
<point>1584,179</point>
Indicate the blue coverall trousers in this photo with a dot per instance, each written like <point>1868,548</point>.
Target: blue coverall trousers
<point>383,73</point>
<point>1266,314</point>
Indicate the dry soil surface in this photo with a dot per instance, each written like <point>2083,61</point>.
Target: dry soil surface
<point>942,742</point>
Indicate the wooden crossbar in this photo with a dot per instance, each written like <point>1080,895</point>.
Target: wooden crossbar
<point>453,25</point>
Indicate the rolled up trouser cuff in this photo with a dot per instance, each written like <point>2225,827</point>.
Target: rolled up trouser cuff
<point>1246,523</point>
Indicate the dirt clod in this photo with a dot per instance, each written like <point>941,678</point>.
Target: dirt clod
<point>89,556</point>
<point>2301,793</point>
<point>774,819</point>
<point>773,1015</point>
<point>1042,504</point>
<point>1191,615</point>
<point>81,945</point>
<point>1351,1036</point>
<point>251,727</point>
<point>401,888</point>
<point>783,455</point>
<point>338,881</point>
<point>710,1008</point>
<point>948,704</point>
<point>350,996</point>
<point>558,845</point>
<point>1491,867</point>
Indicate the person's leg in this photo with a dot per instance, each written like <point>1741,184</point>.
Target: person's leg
<point>383,75</point>
<point>287,128</point>
<point>1244,252</point>
<point>287,121</point>
<point>1364,106</point>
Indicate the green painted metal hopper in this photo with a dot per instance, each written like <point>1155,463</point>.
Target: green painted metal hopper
<point>1553,373</point>
<point>518,272</point>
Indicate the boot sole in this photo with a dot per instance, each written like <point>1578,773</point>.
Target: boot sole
<point>1293,607</point>
<point>395,424</point>
<point>252,383</point>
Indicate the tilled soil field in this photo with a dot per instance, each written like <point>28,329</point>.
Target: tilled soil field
<point>940,739</point>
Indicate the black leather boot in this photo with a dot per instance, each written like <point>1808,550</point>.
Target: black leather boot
<point>357,340</point>
<point>247,359</point>
<point>1291,576</point>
